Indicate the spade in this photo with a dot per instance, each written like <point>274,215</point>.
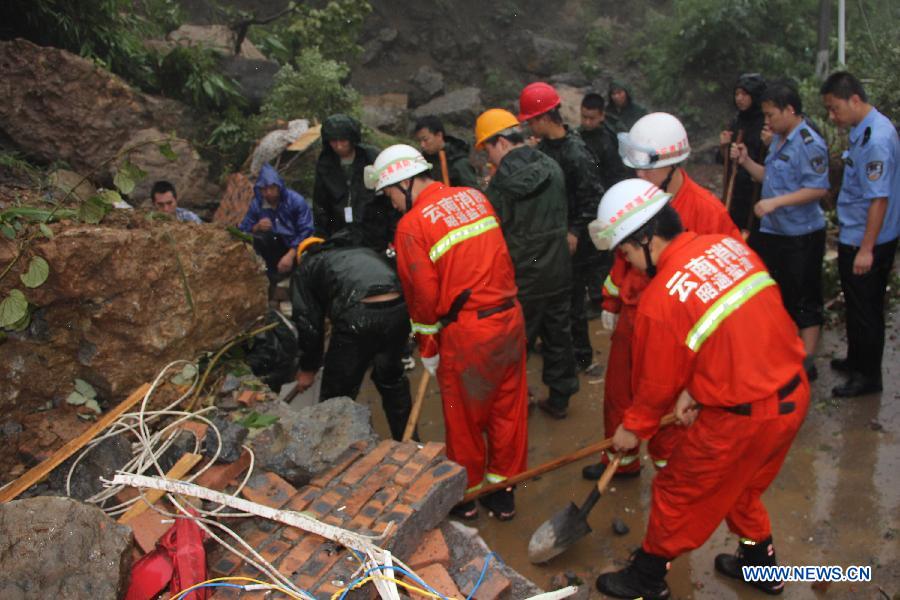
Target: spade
<point>568,525</point>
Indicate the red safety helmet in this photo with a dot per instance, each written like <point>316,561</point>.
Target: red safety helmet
<point>536,99</point>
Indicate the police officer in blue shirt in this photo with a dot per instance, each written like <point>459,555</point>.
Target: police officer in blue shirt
<point>868,210</point>
<point>791,236</point>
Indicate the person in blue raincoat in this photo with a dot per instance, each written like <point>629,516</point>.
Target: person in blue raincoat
<point>278,219</point>
<point>791,235</point>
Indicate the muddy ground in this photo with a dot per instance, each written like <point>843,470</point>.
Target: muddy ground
<point>835,502</point>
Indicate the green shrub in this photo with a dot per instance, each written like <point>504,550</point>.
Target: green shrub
<point>191,74</point>
<point>314,89</point>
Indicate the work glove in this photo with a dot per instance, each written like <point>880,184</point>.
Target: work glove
<point>608,320</point>
<point>431,363</point>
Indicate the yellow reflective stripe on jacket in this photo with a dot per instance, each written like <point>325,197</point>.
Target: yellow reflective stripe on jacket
<point>611,287</point>
<point>425,328</point>
<point>494,478</point>
<point>724,306</point>
<point>461,234</point>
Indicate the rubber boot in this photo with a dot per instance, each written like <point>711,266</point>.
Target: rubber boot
<point>644,577</point>
<point>750,554</point>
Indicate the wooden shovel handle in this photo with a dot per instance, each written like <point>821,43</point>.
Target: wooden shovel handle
<point>413,419</point>
<point>554,464</point>
<point>609,473</point>
<point>445,172</point>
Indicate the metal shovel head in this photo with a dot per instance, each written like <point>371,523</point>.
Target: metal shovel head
<point>555,535</point>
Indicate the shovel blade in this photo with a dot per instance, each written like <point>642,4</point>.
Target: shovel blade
<point>557,534</point>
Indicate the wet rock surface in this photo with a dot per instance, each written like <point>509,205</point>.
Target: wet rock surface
<point>124,298</point>
<point>459,107</point>
<point>63,549</point>
<point>303,443</point>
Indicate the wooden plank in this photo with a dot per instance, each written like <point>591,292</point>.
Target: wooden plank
<point>179,470</point>
<point>34,475</point>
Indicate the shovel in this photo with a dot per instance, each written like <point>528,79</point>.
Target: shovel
<point>413,418</point>
<point>569,525</point>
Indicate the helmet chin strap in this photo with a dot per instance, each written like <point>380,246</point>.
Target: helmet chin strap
<point>407,193</point>
<point>664,186</point>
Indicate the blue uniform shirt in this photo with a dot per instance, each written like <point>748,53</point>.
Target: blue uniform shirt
<point>870,171</point>
<point>802,162</point>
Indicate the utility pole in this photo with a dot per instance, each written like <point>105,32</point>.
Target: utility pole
<point>842,33</point>
<point>823,54</point>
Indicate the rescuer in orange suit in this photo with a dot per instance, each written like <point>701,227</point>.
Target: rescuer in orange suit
<point>460,289</point>
<point>655,147</point>
<point>709,308</point>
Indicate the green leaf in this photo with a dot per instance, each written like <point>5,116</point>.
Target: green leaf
<point>189,371</point>
<point>93,405</point>
<point>38,271</point>
<point>167,152</point>
<point>123,181</point>
<point>93,210</point>
<point>8,231</point>
<point>256,421</point>
<point>46,231</point>
<point>237,233</point>
<point>76,399</point>
<point>13,309</point>
<point>110,197</point>
<point>85,389</point>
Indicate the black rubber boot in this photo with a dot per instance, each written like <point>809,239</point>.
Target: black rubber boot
<point>644,577</point>
<point>501,504</point>
<point>751,554</point>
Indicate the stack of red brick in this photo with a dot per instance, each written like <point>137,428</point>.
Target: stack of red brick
<point>410,485</point>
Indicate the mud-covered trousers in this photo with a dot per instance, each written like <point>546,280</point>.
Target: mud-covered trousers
<point>719,470</point>
<point>617,398</point>
<point>485,394</point>
<point>371,334</point>
<point>548,317</point>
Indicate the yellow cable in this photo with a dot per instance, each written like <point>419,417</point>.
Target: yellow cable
<point>408,586</point>
<point>273,586</point>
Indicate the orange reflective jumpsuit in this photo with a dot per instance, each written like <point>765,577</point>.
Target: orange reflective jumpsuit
<point>450,242</point>
<point>700,325</point>
<point>700,212</point>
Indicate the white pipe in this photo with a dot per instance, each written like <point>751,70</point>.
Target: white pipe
<point>842,33</point>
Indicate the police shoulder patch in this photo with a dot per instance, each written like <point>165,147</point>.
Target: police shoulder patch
<point>818,164</point>
<point>874,170</point>
<point>807,136</point>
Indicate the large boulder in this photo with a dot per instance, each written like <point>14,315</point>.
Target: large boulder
<point>219,38</point>
<point>188,172</point>
<point>459,107</point>
<point>541,55</point>
<point>426,84</point>
<point>57,106</point>
<point>386,112</point>
<point>60,548</point>
<point>123,299</point>
<point>255,76</point>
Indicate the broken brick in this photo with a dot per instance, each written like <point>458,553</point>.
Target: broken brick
<point>269,490</point>
<point>346,459</point>
<point>432,550</point>
<point>369,486</point>
<point>373,508</point>
<point>493,585</point>
<point>358,471</point>
<point>430,479</point>
<point>218,476</point>
<point>148,527</point>
<point>403,452</point>
<point>299,555</point>
<point>437,577</point>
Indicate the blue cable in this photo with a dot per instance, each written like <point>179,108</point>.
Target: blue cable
<point>412,576</point>
<point>487,561</point>
<point>205,585</point>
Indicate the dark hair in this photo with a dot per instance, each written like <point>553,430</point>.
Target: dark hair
<point>783,94</point>
<point>161,187</point>
<point>843,85</point>
<point>429,122</point>
<point>514,136</point>
<point>554,116</point>
<point>665,224</point>
<point>593,101</point>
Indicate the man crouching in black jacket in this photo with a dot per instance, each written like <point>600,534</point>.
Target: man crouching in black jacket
<point>360,293</point>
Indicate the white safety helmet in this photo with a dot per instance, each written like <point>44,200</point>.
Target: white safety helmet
<point>625,208</point>
<point>395,164</point>
<point>655,140</point>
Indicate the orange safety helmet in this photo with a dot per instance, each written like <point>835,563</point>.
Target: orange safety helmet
<point>536,99</point>
<point>490,123</point>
